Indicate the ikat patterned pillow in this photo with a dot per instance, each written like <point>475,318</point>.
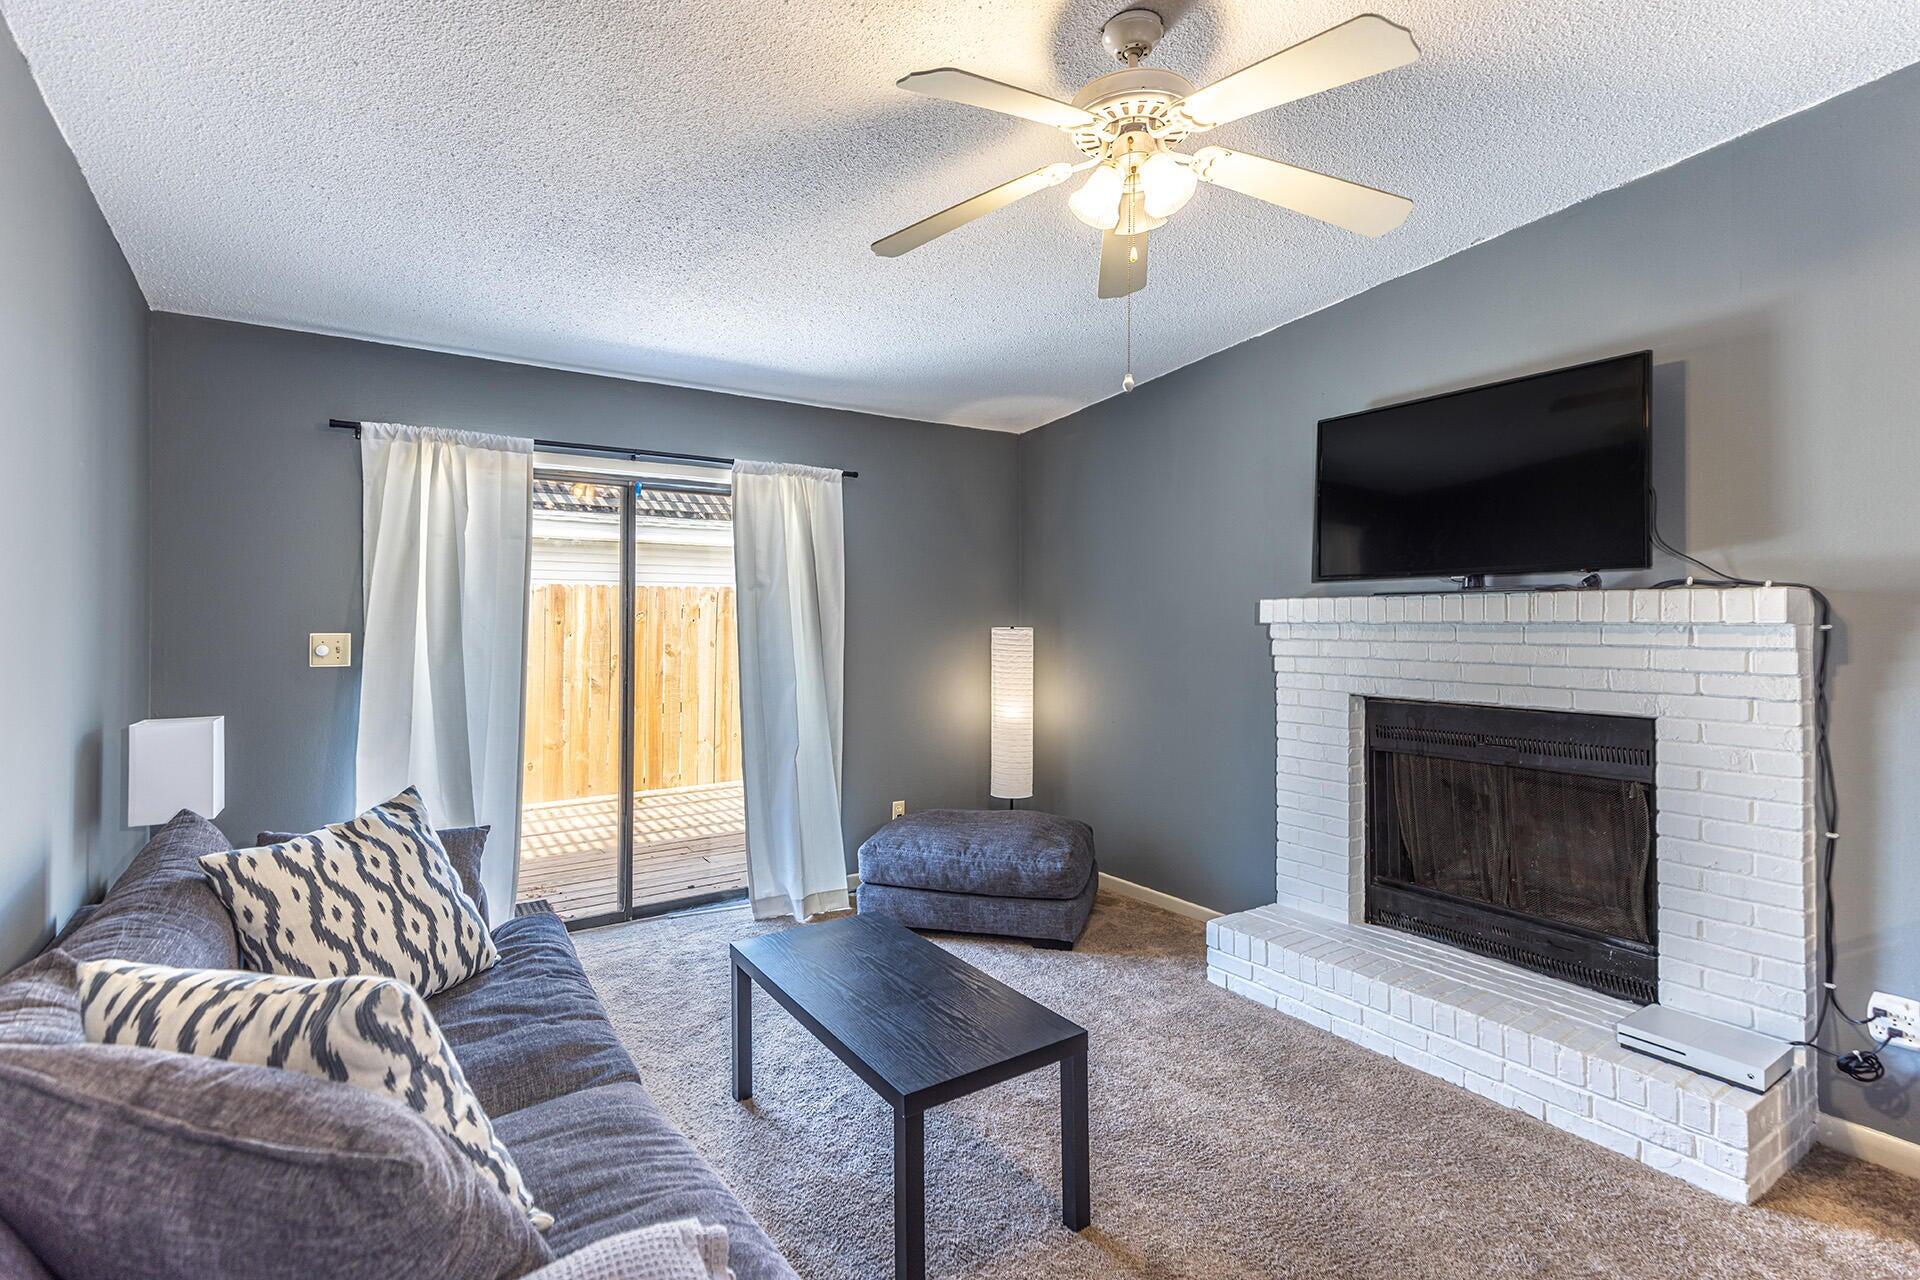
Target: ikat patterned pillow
<point>375,896</point>
<point>372,1033</point>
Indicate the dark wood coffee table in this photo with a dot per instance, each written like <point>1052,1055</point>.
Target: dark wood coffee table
<point>921,1028</point>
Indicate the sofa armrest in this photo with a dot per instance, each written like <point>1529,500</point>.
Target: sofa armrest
<point>680,1250</point>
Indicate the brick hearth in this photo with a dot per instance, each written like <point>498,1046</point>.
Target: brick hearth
<point>1726,676</point>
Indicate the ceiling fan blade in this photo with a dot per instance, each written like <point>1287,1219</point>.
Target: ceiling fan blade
<point>1123,264</point>
<point>1345,204</point>
<point>977,91</point>
<point>908,238</point>
<point>1354,50</point>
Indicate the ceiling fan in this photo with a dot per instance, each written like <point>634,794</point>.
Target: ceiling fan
<point>1129,122</point>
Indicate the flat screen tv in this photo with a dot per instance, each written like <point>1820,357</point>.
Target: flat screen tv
<point>1543,474</point>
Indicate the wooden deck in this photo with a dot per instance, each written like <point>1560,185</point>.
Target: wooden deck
<point>686,841</point>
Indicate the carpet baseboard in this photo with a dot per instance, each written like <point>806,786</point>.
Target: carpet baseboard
<point>1870,1144</point>
<point>1154,898</point>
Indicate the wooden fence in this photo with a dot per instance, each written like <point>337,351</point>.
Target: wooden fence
<point>686,721</point>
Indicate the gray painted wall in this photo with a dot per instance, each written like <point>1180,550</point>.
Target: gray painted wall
<point>256,542</point>
<point>72,522</point>
<point>1777,280</point>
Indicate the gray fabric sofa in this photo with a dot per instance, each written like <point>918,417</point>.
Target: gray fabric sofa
<point>124,1161</point>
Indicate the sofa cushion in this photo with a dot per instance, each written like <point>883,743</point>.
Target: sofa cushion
<point>376,895</point>
<point>364,1032</point>
<point>465,846</point>
<point>161,910</point>
<point>170,1166</point>
<point>606,1160</point>
<point>16,1260</point>
<point>40,1004</point>
<point>1003,853</point>
<point>531,1028</point>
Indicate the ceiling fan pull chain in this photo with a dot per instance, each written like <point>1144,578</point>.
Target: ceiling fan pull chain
<point>1133,256</point>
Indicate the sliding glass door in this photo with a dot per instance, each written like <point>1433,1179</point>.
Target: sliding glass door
<point>631,794</point>
<point>570,820</point>
<point>689,815</point>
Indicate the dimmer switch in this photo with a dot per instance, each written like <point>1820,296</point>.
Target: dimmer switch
<point>330,649</point>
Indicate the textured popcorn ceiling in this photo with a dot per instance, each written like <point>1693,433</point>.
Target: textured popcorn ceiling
<point>684,191</point>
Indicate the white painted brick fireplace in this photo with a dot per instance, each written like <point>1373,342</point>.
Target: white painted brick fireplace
<point>1726,675</point>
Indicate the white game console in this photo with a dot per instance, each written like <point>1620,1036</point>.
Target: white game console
<point>1729,1053</point>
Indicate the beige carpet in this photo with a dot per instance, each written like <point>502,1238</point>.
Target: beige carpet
<point>1227,1141</point>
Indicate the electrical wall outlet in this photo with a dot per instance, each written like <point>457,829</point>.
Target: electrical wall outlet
<point>1894,1016</point>
<point>899,810</point>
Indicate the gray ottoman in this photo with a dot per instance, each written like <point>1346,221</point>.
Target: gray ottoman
<point>1013,872</point>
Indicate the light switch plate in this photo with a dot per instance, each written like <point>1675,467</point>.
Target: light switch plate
<point>330,649</point>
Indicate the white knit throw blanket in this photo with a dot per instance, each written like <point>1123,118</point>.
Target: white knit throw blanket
<point>679,1250</point>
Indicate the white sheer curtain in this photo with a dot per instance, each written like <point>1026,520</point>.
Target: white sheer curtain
<point>789,561</point>
<point>445,518</point>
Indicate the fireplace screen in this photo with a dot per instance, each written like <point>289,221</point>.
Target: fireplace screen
<point>1525,835</point>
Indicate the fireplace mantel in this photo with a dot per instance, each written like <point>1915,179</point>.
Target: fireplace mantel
<point>1726,676</point>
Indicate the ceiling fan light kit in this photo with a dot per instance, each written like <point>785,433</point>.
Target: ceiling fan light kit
<point>1167,182</point>
<point>1129,123</point>
<point>1097,203</point>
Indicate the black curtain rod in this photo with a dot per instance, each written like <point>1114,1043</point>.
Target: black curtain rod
<point>604,450</point>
